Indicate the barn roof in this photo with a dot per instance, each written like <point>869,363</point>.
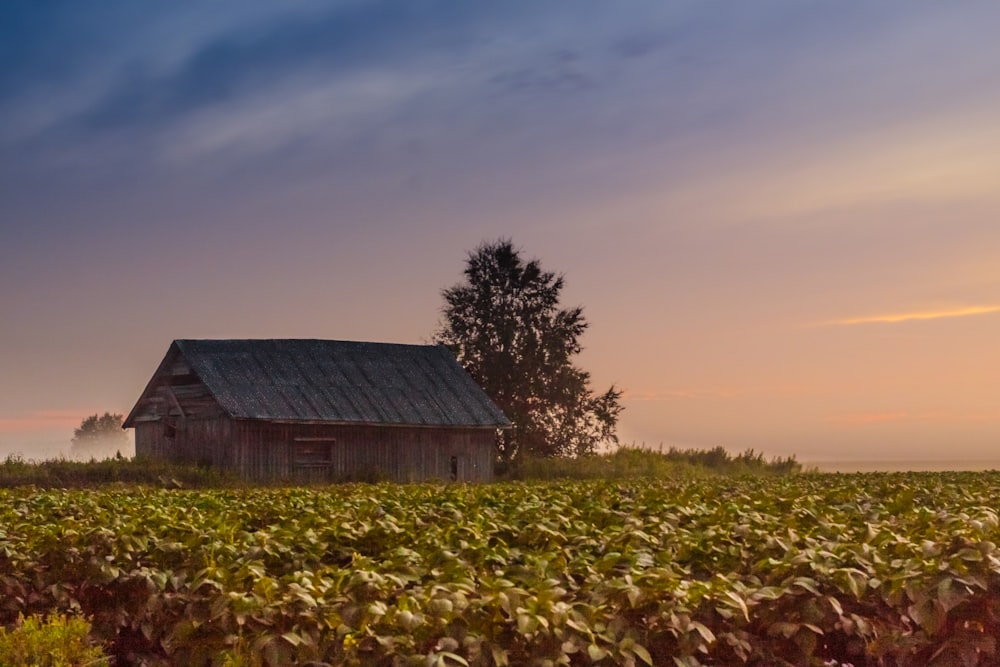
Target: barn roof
<point>337,381</point>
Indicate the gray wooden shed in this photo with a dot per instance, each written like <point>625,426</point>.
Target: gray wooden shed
<point>317,410</point>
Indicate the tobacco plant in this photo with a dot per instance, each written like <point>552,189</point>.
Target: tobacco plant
<point>880,569</point>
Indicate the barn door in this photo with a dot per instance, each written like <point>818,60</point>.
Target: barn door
<point>312,460</point>
<point>458,469</point>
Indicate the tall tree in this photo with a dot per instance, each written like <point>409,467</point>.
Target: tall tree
<point>506,327</point>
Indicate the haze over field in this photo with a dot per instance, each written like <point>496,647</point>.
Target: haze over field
<point>782,218</point>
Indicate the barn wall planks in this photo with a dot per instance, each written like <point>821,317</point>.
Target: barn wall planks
<point>262,451</point>
<point>265,450</point>
<point>199,441</point>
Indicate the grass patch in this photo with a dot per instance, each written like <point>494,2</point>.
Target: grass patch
<point>65,474</point>
<point>622,464</point>
<point>639,463</point>
<point>55,641</point>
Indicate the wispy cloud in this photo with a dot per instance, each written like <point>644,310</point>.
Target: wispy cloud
<point>43,420</point>
<point>895,318</point>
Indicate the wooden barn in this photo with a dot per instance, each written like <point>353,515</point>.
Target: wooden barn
<point>315,410</point>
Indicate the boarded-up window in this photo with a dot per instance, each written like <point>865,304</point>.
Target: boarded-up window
<point>313,453</point>
<point>313,458</point>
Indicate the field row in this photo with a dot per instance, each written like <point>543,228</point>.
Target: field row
<point>896,569</point>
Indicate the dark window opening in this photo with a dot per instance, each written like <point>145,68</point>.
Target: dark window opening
<point>169,430</point>
<point>183,380</point>
<point>454,468</point>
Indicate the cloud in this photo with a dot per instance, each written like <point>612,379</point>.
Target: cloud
<point>247,62</point>
<point>43,420</point>
<point>323,110</point>
<point>896,318</point>
<point>77,64</point>
<point>558,74</point>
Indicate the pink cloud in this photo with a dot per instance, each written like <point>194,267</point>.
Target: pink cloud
<point>43,420</point>
<point>895,318</point>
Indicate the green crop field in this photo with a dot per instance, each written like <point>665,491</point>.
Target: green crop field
<point>878,569</point>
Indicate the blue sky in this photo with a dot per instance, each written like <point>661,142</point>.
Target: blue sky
<point>724,186</point>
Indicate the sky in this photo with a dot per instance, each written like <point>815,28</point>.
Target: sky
<point>780,217</point>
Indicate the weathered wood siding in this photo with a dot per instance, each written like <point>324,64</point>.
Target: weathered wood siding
<point>179,416</point>
<point>148,444</point>
<point>266,450</point>
<point>199,441</point>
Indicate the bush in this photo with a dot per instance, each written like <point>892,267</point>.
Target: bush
<point>58,641</point>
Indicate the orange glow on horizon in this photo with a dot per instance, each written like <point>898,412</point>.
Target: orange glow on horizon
<point>47,419</point>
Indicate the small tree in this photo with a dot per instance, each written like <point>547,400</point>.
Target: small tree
<point>102,433</point>
<point>505,325</point>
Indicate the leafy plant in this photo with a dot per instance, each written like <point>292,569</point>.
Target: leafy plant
<point>901,570</point>
<point>56,641</point>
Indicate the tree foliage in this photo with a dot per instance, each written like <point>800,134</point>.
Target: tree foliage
<point>506,327</point>
<point>99,432</point>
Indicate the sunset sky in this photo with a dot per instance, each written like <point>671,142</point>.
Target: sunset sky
<point>782,218</point>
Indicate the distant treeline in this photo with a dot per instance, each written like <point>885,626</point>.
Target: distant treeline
<point>627,462</point>
<point>631,462</point>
